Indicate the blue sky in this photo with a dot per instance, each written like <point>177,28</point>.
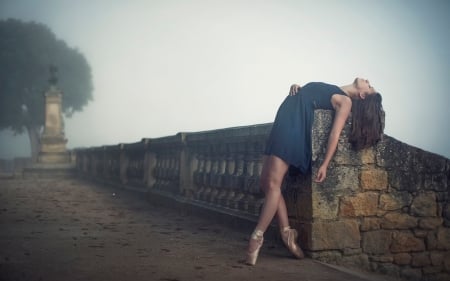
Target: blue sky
<point>162,67</point>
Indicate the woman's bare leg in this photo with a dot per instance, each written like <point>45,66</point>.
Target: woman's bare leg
<point>282,214</point>
<point>272,176</point>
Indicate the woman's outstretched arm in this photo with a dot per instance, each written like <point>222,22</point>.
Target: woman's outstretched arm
<point>342,105</point>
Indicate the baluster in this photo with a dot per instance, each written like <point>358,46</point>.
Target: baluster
<point>228,179</point>
<point>157,172</point>
<point>140,168</point>
<point>208,166</point>
<point>130,165</point>
<point>175,173</point>
<point>198,176</point>
<point>116,165</point>
<point>167,172</point>
<point>213,174</point>
<point>258,197</point>
<point>238,182</point>
<point>243,204</point>
<point>220,181</point>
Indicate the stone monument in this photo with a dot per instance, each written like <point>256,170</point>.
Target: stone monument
<point>53,142</point>
<point>53,158</point>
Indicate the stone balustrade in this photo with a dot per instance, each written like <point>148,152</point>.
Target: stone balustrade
<point>384,209</point>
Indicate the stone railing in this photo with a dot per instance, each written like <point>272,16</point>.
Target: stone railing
<point>384,209</point>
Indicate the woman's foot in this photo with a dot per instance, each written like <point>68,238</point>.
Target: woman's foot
<point>289,237</point>
<point>254,245</point>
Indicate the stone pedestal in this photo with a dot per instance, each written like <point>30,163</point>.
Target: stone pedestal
<point>53,158</point>
<point>53,142</point>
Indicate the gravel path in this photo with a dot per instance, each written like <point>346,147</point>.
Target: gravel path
<point>76,230</point>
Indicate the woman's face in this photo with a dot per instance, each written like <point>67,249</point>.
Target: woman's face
<point>363,86</point>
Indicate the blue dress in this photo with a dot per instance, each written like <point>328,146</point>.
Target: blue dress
<point>290,137</point>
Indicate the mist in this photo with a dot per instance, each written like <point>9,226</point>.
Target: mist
<point>162,67</point>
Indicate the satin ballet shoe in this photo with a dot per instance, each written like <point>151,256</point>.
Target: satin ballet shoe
<point>257,236</point>
<point>289,237</point>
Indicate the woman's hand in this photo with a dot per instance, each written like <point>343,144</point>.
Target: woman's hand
<point>294,89</point>
<point>321,174</point>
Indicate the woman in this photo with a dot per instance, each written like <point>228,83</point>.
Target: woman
<point>289,144</point>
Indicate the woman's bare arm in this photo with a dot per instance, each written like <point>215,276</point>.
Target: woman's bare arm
<point>342,105</point>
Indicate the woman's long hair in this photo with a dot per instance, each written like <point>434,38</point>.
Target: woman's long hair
<point>367,121</point>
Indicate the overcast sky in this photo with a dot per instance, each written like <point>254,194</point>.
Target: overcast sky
<point>162,67</point>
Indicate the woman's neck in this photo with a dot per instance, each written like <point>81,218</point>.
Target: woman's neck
<point>350,90</point>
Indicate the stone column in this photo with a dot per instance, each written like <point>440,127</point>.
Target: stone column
<point>53,159</point>
<point>53,142</point>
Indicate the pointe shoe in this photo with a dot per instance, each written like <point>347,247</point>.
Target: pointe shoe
<point>257,236</point>
<point>289,237</point>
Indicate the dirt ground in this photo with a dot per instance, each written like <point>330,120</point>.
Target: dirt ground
<point>76,230</point>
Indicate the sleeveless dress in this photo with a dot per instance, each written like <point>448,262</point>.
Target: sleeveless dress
<point>290,137</point>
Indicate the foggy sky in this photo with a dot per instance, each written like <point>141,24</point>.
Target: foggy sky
<point>162,67</point>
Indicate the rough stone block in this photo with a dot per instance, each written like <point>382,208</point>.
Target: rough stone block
<point>430,223</point>
<point>421,260</point>
<point>443,238</point>
<point>335,235</point>
<point>388,269</point>
<point>374,179</point>
<point>440,277</point>
<point>389,203</point>
<point>363,204</point>
<point>411,274</point>
<point>431,241</point>
<point>325,205</point>
<point>368,156</point>
<point>351,252</point>
<point>368,224</point>
<point>424,205</point>
<point>402,259</point>
<point>339,178</point>
<point>405,180</point>
<point>437,258</point>
<point>435,182</point>
<point>303,206</point>
<point>447,262</point>
<point>392,153</point>
<point>376,242</point>
<point>420,233</point>
<point>428,162</point>
<point>345,155</point>
<point>398,221</point>
<point>404,242</point>
<point>446,211</point>
<point>361,261</point>
<point>394,200</point>
<point>382,259</point>
<point>327,256</point>
<point>431,270</point>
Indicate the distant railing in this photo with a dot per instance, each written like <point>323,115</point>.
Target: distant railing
<point>217,168</point>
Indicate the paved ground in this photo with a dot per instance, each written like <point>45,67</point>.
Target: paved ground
<point>74,230</point>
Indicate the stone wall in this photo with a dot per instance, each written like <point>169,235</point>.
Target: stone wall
<point>384,209</point>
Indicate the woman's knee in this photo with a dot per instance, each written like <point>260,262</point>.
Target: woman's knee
<point>269,184</point>
<point>273,173</point>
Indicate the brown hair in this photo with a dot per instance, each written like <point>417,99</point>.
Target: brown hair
<point>367,121</point>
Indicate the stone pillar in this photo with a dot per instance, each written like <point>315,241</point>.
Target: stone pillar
<point>53,143</point>
<point>53,158</point>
